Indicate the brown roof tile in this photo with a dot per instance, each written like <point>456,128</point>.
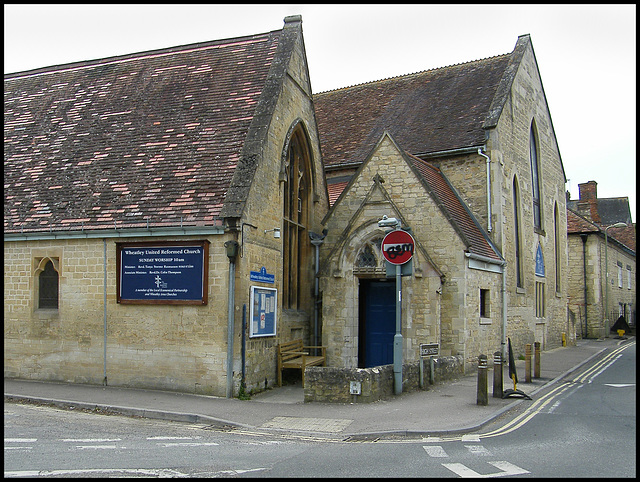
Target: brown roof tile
<point>425,112</point>
<point>155,135</point>
<point>455,209</point>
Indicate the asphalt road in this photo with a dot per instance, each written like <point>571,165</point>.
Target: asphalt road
<point>584,426</point>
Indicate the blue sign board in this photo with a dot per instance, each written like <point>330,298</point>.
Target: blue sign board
<point>162,273</point>
<point>539,262</point>
<point>262,276</point>
<point>264,309</point>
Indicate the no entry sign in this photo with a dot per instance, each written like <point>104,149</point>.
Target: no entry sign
<point>397,247</point>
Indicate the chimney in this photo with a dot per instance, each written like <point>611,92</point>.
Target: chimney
<point>588,203</point>
<point>588,191</point>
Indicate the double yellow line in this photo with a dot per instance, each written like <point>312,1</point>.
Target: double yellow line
<point>542,402</point>
<point>596,369</point>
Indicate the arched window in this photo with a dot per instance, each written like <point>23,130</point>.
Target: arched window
<point>535,179</point>
<point>370,254</point>
<point>556,235</point>
<point>48,287</point>
<point>297,192</point>
<point>516,228</point>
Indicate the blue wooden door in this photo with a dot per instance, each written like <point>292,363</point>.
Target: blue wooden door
<point>379,323</point>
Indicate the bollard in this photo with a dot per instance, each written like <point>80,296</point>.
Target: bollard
<point>482,398</point>
<point>497,375</point>
<point>564,339</point>
<point>536,363</point>
<point>527,363</point>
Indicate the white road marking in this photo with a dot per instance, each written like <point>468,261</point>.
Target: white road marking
<point>435,450</point>
<point>186,444</point>
<point>20,440</point>
<point>620,385</point>
<point>95,447</point>
<point>172,438</point>
<point>507,470</point>
<point>91,440</point>
<point>478,450</point>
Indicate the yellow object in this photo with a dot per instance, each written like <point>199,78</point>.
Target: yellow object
<point>620,332</point>
<point>564,339</point>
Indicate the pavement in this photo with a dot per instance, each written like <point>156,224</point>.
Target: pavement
<point>444,408</point>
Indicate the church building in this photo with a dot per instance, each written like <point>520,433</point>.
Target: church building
<point>172,216</point>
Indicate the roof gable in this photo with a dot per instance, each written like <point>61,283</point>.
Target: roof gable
<point>443,194</point>
<point>146,138</point>
<point>426,112</point>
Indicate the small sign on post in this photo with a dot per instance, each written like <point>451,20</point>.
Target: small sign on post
<point>429,349</point>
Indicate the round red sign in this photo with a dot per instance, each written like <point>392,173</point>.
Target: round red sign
<point>397,247</point>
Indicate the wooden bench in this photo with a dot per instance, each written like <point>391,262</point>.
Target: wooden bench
<point>293,354</point>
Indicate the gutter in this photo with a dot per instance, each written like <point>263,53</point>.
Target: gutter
<point>116,233</point>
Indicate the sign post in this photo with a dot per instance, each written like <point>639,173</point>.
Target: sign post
<point>397,249</point>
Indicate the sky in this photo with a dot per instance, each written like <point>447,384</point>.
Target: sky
<point>586,55</point>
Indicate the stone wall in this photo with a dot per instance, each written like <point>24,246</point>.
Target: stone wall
<point>333,384</point>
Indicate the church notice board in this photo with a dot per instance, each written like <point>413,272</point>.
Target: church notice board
<point>170,273</point>
<point>264,307</point>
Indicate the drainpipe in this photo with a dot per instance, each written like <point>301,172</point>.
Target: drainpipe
<point>488,189</point>
<point>584,276</point>
<point>104,369</point>
<point>232,253</point>
<point>504,315</point>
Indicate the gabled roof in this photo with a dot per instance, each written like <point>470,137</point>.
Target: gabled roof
<point>149,137</point>
<point>438,187</point>
<point>426,112</point>
<point>461,218</point>
<point>578,224</point>
<point>606,210</point>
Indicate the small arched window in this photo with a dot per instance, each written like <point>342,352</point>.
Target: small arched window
<point>48,287</point>
<point>370,254</point>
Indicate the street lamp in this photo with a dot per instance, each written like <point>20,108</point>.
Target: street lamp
<point>606,273</point>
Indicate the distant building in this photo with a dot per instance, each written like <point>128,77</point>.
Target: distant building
<point>589,253</point>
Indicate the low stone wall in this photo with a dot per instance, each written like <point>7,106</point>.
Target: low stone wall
<point>331,384</point>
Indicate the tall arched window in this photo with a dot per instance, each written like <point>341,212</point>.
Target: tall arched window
<point>556,237</point>
<point>535,179</point>
<point>297,191</point>
<point>48,287</point>
<point>516,229</point>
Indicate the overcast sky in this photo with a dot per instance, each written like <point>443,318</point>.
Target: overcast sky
<point>586,55</point>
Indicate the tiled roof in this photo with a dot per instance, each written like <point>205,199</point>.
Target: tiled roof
<point>577,224</point>
<point>455,209</point>
<point>151,136</point>
<point>425,112</point>
<point>606,210</point>
<point>334,190</point>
